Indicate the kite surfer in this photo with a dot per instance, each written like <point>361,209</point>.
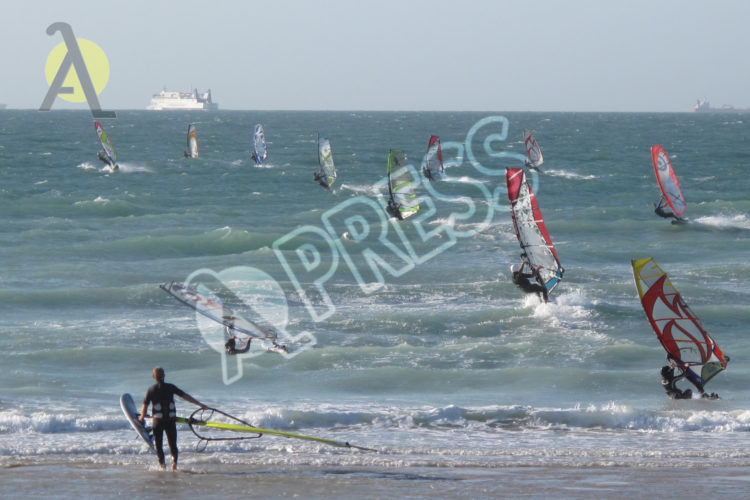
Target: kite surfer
<point>163,413</point>
<point>523,281</point>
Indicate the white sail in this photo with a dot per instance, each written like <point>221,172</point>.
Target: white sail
<point>259,145</point>
<point>534,156</point>
<point>192,142</point>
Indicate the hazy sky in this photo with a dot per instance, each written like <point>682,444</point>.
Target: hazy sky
<point>468,55</point>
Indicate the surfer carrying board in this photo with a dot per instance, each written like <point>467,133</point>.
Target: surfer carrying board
<point>163,413</point>
<point>523,281</point>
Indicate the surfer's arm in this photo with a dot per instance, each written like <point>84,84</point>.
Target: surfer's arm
<point>190,399</point>
<point>142,415</point>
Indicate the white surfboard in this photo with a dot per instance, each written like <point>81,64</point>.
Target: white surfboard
<point>131,413</point>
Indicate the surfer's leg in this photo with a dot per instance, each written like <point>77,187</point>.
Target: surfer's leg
<point>159,441</point>
<point>171,430</point>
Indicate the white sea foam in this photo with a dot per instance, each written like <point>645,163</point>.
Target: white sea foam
<point>566,174</point>
<point>738,221</point>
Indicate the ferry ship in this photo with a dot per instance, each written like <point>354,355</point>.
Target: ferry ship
<point>703,106</point>
<point>169,100</point>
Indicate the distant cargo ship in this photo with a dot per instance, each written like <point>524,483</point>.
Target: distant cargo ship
<point>168,100</point>
<point>703,106</point>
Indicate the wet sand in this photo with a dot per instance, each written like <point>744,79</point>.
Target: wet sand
<point>80,480</point>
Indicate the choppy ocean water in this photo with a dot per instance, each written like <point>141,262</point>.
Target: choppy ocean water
<point>438,362</point>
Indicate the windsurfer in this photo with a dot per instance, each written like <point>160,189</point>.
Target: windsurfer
<point>427,173</point>
<point>523,281</point>
<point>668,380</point>
<point>320,180</point>
<point>163,414</point>
<point>231,345</point>
<point>530,166</point>
<point>104,157</point>
<point>393,209</point>
<point>659,210</point>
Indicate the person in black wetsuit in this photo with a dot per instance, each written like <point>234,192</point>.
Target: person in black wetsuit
<point>392,209</point>
<point>163,413</point>
<point>231,345</point>
<point>668,380</point>
<point>321,180</point>
<point>659,210</point>
<point>523,281</point>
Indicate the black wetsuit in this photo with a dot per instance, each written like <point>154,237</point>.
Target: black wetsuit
<point>231,347</point>
<point>669,380</point>
<point>393,209</point>
<point>319,178</point>
<point>522,281</point>
<point>161,397</point>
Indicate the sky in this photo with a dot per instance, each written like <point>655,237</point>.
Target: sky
<point>410,55</point>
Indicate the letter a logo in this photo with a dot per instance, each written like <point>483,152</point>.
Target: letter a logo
<point>77,85</point>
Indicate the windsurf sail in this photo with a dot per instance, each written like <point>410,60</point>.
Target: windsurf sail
<point>403,201</point>
<point>217,312</point>
<point>260,153</point>
<point>531,232</point>
<point>670,188</point>
<point>192,142</point>
<point>109,151</point>
<point>327,173</point>
<point>677,328</point>
<point>433,159</point>
<point>534,158</point>
<point>200,418</point>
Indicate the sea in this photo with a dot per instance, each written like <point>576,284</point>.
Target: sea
<point>404,337</point>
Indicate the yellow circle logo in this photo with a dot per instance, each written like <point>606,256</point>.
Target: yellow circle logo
<point>96,64</point>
